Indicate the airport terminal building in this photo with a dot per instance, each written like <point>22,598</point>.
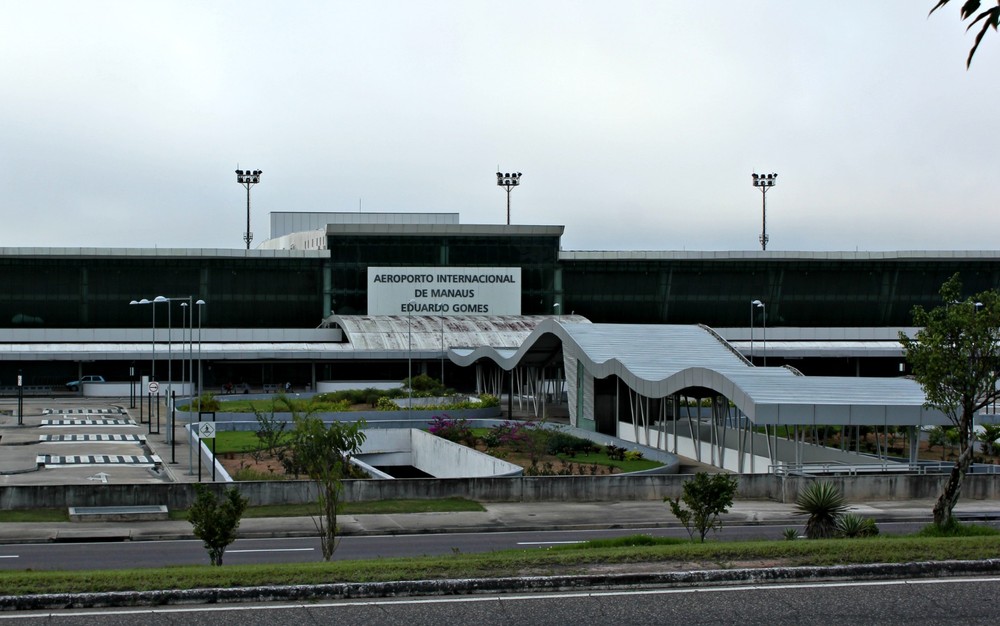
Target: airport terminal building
<point>65,312</point>
<point>621,338</point>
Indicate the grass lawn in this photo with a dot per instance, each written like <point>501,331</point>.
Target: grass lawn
<point>227,441</point>
<point>600,458</point>
<point>235,441</point>
<point>670,554</point>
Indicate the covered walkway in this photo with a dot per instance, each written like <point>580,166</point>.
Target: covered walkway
<point>684,389</point>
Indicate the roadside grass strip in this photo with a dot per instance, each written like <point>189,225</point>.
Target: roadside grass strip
<point>561,560</point>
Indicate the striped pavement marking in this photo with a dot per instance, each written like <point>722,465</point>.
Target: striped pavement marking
<point>133,460</point>
<point>92,438</point>
<point>127,423</point>
<point>63,411</point>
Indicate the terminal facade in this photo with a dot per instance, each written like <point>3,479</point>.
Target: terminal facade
<point>268,312</point>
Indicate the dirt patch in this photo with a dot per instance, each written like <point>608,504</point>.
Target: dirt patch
<point>257,464</point>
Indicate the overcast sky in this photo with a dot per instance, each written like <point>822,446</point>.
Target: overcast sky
<point>635,124</point>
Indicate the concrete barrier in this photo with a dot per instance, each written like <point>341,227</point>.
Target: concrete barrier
<point>495,489</point>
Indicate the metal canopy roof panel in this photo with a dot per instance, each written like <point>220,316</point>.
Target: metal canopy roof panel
<point>659,360</point>
<point>434,332</point>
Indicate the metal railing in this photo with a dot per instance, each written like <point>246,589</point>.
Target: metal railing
<point>837,468</point>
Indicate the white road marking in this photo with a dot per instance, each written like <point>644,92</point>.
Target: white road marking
<point>497,598</point>
<point>10,556</point>
<point>545,543</point>
<point>274,550</point>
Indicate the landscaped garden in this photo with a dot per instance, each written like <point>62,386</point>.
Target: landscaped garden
<point>370,399</point>
<point>262,454</point>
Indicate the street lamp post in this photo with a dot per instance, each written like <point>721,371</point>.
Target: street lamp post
<point>508,181</point>
<point>764,182</point>
<point>170,347</point>
<point>154,302</point>
<point>200,303</point>
<point>152,374</point>
<point>248,179</point>
<point>763,314</point>
<point>152,367</point>
<point>184,323</point>
<point>409,353</point>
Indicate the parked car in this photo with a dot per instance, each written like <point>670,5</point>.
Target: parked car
<point>74,385</point>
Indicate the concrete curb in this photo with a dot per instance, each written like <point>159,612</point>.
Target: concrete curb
<point>474,586</point>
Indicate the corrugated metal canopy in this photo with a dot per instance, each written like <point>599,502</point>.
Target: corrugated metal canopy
<point>659,360</point>
<point>396,333</point>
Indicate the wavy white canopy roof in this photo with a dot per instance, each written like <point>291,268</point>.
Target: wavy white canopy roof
<point>660,360</point>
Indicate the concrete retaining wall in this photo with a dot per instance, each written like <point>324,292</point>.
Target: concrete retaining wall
<point>375,419</point>
<point>123,390</point>
<point>438,457</point>
<point>504,489</point>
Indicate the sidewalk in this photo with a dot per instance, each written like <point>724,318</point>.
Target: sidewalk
<point>505,516</point>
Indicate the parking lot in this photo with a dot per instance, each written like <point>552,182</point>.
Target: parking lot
<point>67,439</point>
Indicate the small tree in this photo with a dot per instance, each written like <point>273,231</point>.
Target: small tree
<point>707,496</point>
<point>215,522</point>
<point>323,453</point>
<point>270,430</point>
<point>954,357</point>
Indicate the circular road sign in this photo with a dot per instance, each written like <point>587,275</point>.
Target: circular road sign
<point>154,387</point>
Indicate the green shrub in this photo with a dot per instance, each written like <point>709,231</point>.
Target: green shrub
<point>563,443</point>
<point>790,534</point>
<point>614,452</point>
<point>823,503</point>
<point>206,402</point>
<point>385,404</point>
<point>852,525</point>
<point>954,528</point>
<point>488,400</point>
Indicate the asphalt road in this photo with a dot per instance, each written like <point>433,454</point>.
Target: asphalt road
<point>911,602</point>
<point>120,555</point>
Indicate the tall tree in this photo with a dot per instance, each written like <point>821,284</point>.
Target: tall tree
<point>989,18</point>
<point>954,358</point>
<point>323,453</point>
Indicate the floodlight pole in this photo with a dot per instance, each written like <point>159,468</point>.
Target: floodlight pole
<point>508,181</point>
<point>248,179</point>
<point>764,182</point>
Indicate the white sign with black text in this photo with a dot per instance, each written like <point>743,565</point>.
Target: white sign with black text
<point>444,290</point>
